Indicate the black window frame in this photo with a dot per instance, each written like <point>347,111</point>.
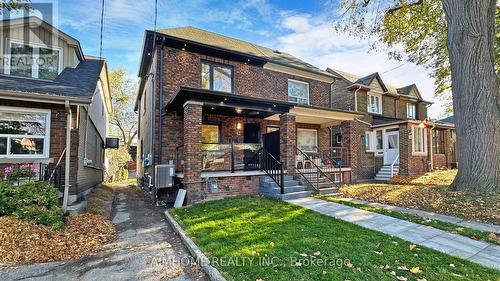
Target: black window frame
<point>211,65</point>
<point>438,138</point>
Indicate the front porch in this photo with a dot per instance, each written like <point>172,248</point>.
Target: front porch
<point>229,139</point>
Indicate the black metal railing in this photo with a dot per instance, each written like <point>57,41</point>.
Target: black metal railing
<point>272,166</point>
<point>311,171</point>
<point>44,172</point>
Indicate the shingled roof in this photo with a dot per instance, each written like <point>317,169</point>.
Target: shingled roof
<point>79,82</point>
<point>217,40</point>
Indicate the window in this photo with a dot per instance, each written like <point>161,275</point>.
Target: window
<point>216,77</point>
<point>298,91</point>
<point>374,103</point>
<point>438,142</point>
<point>24,132</point>
<point>419,136</point>
<point>210,133</point>
<point>380,142</point>
<point>368,141</point>
<point>35,61</point>
<point>307,140</point>
<point>410,110</point>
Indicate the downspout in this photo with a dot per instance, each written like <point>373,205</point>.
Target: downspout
<point>68,154</point>
<point>356,99</point>
<point>160,116</point>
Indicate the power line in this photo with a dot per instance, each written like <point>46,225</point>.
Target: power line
<point>394,68</point>
<point>102,28</point>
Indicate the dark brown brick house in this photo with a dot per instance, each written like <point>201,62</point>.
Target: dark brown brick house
<point>395,134</point>
<point>237,118</point>
<point>54,106</point>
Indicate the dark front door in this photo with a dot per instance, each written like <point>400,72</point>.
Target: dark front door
<point>251,133</point>
<point>272,143</point>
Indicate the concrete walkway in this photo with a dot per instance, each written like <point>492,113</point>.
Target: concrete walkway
<point>430,215</point>
<point>146,248</point>
<point>479,252</point>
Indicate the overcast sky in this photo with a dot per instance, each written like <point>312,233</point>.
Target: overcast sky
<point>301,28</point>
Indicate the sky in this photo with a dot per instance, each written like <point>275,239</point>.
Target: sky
<point>301,28</point>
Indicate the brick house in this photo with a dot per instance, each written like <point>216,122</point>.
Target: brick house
<point>237,118</point>
<point>53,99</point>
<point>395,134</point>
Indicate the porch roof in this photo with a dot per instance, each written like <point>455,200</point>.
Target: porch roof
<point>222,103</point>
<point>320,115</point>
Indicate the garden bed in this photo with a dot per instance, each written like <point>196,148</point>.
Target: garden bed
<point>258,238</point>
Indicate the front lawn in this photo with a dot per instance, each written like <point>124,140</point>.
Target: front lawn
<point>430,192</point>
<point>258,238</point>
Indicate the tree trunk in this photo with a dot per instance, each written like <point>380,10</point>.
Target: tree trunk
<point>476,99</point>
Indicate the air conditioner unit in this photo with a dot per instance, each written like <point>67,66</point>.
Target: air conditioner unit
<point>164,175</point>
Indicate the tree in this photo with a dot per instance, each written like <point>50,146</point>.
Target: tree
<point>123,119</point>
<point>14,5</point>
<point>456,40</point>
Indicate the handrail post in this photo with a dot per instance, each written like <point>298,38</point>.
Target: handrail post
<point>282,179</point>
<point>232,156</point>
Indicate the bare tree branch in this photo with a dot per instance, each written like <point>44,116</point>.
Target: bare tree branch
<point>392,10</point>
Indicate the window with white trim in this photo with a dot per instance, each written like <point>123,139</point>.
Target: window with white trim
<point>410,110</point>
<point>368,141</point>
<point>419,145</point>
<point>298,91</point>
<point>24,132</point>
<point>374,103</point>
<point>32,60</point>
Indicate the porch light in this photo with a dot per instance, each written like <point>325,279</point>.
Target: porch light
<point>239,110</point>
<point>238,125</point>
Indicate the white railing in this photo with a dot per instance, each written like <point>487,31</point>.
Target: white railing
<point>392,165</point>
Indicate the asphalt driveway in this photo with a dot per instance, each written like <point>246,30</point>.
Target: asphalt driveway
<point>146,248</point>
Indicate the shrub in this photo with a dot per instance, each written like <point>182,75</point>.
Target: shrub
<point>124,174</point>
<point>37,202</point>
<point>12,173</point>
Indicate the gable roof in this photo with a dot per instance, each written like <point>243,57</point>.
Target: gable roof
<point>450,119</point>
<point>79,82</point>
<point>208,38</point>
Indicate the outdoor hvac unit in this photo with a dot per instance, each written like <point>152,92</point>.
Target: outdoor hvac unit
<point>164,175</point>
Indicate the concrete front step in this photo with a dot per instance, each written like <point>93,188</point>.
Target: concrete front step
<point>328,191</point>
<point>295,195</point>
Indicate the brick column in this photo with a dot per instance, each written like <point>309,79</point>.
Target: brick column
<point>405,148</point>
<point>324,139</point>
<point>192,151</point>
<point>288,142</point>
<point>351,142</point>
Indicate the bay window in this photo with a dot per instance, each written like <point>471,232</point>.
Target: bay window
<point>216,77</point>
<point>33,61</point>
<point>298,91</point>
<point>24,132</point>
<point>419,137</point>
<point>374,103</point>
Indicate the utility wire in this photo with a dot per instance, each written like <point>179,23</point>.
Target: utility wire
<point>394,68</point>
<point>102,28</point>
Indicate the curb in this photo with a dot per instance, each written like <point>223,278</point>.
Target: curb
<point>201,259</point>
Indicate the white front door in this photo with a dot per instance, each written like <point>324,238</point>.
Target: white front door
<point>391,147</point>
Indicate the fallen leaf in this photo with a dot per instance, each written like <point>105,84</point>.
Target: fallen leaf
<point>393,273</point>
<point>401,278</point>
<point>379,253</point>
<point>402,268</point>
<point>348,264</point>
<point>272,244</point>
<point>415,270</point>
<point>452,265</point>
<point>412,246</point>
<point>317,253</point>
<point>304,255</point>
<point>421,279</point>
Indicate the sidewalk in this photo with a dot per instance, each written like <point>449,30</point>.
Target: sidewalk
<point>479,252</point>
<point>430,215</point>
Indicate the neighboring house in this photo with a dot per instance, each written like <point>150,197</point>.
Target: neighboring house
<point>228,112</point>
<point>395,135</point>
<point>53,99</point>
<point>445,143</point>
<point>235,118</point>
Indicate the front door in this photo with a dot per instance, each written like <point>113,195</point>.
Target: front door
<point>391,147</point>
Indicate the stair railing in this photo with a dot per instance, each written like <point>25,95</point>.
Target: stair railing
<point>392,165</point>
<point>269,164</point>
<point>315,169</point>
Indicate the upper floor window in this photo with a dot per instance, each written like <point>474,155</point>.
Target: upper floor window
<point>374,103</point>
<point>216,77</point>
<point>24,132</point>
<point>410,110</point>
<point>298,91</point>
<point>31,60</point>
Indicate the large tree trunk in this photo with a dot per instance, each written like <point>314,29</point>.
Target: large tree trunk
<point>476,99</point>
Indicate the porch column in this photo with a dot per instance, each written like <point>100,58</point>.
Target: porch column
<point>405,148</point>
<point>192,151</point>
<point>352,143</point>
<point>288,142</point>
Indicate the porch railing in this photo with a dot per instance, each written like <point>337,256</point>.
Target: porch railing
<point>265,161</point>
<point>312,172</point>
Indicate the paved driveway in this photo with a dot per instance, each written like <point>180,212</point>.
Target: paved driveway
<point>146,249</point>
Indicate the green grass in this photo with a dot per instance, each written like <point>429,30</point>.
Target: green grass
<point>259,228</point>
<point>465,231</point>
